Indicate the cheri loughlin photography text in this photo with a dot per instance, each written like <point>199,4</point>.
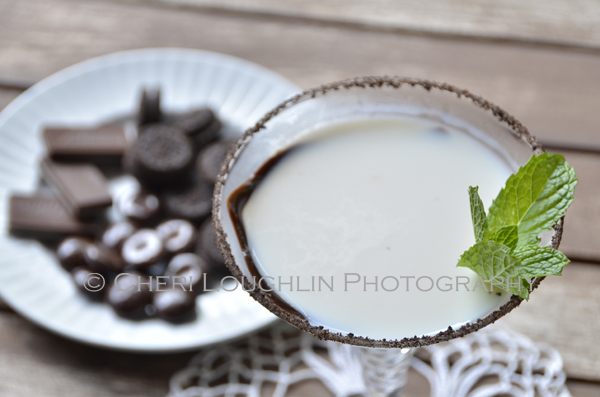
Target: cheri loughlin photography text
<point>350,282</point>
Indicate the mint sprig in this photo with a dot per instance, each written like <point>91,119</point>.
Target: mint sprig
<point>534,198</point>
<point>507,242</point>
<point>478,215</point>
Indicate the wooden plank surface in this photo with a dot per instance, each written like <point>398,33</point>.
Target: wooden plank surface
<point>7,96</point>
<point>583,389</point>
<point>537,85</point>
<point>34,362</point>
<point>565,312</point>
<point>573,22</point>
<point>553,92</point>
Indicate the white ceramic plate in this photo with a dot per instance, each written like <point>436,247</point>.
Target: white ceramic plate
<point>31,280</point>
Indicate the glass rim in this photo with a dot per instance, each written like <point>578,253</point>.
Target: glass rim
<point>517,129</point>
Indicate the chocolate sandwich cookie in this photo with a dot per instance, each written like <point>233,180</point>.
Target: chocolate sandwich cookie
<point>201,125</point>
<point>115,235</point>
<point>70,252</point>
<point>177,235</point>
<point>208,163</point>
<point>161,157</point>
<point>193,203</point>
<point>128,295</point>
<point>207,243</point>
<point>143,248</point>
<point>149,111</point>
<point>140,207</point>
<point>103,259</point>
<point>189,270</point>
<point>175,305</point>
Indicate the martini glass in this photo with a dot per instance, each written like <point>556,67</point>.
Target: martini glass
<point>385,361</point>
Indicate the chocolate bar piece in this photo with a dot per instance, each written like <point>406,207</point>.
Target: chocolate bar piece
<point>105,144</point>
<point>44,217</point>
<point>81,188</point>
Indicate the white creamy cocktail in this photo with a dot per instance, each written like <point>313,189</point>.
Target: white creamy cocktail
<point>361,225</point>
<point>369,178</point>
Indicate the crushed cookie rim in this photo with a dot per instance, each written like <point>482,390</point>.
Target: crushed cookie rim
<point>517,129</point>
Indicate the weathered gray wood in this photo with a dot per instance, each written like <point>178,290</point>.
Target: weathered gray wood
<point>36,363</point>
<point>7,96</point>
<point>556,21</point>
<point>538,86</point>
<point>583,389</point>
<point>553,92</point>
<point>565,312</point>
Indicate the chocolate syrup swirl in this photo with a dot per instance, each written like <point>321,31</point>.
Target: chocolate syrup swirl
<point>235,204</point>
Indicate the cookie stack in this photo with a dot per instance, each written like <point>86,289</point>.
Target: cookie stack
<point>162,252</point>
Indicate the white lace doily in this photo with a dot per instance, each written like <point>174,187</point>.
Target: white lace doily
<point>494,361</point>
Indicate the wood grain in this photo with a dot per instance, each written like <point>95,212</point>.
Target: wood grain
<point>553,92</point>
<point>565,312</point>
<point>34,362</point>
<point>583,389</point>
<point>536,85</point>
<point>571,22</point>
<point>7,96</point>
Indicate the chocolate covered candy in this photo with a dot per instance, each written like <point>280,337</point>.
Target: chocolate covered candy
<point>103,259</point>
<point>189,269</point>
<point>143,248</point>
<point>88,283</point>
<point>174,305</point>
<point>70,252</point>
<point>116,234</point>
<point>177,235</point>
<point>139,206</point>
<point>128,296</point>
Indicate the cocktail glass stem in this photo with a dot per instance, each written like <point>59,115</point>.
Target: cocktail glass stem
<point>385,371</point>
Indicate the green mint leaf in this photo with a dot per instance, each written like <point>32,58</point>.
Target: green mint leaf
<point>534,199</point>
<point>477,213</point>
<point>490,259</point>
<point>495,264</point>
<point>507,235</point>
<point>516,285</point>
<point>540,261</point>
